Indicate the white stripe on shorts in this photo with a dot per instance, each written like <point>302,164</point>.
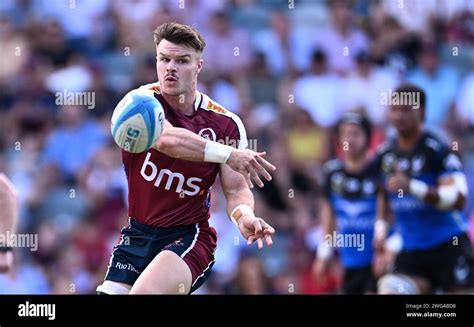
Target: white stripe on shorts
<point>193,243</point>
<point>203,272</point>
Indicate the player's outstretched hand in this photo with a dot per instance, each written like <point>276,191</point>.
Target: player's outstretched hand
<point>256,229</point>
<point>251,165</point>
<point>6,261</point>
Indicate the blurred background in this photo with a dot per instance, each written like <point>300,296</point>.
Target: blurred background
<point>280,65</point>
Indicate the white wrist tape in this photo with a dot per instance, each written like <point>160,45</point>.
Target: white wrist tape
<point>394,243</point>
<point>324,251</point>
<point>448,195</point>
<point>461,182</point>
<point>216,152</point>
<point>239,211</point>
<point>418,188</point>
<point>380,229</point>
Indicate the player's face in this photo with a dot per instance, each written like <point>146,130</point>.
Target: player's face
<point>178,67</point>
<point>352,139</point>
<point>404,118</point>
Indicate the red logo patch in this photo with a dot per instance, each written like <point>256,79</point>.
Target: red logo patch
<point>212,106</point>
<point>177,242</point>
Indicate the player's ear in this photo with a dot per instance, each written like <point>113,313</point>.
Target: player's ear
<point>200,64</point>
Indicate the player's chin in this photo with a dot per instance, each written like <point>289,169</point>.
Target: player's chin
<point>172,88</point>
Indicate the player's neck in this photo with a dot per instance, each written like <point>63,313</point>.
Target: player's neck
<point>355,164</point>
<point>183,102</point>
<point>408,141</point>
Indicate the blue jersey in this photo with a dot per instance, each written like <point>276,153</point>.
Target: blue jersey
<point>422,226</point>
<point>353,200</point>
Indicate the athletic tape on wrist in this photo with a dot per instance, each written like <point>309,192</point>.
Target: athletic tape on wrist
<point>239,211</point>
<point>418,188</point>
<point>216,152</point>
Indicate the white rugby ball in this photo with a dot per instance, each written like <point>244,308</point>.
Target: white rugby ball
<point>137,121</point>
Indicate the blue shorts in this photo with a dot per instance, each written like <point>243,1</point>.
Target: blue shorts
<point>448,266</point>
<point>139,245</point>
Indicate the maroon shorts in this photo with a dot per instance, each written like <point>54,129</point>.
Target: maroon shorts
<point>140,244</point>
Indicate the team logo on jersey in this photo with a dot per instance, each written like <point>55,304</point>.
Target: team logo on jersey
<point>336,182</point>
<point>208,134</point>
<point>170,180</point>
<point>355,209</point>
<point>214,107</point>
<point>417,163</point>
<point>403,164</point>
<point>177,242</point>
<point>368,187</point>
<point>156,88</point>
<point>352,185</point>
<point>387,162</point>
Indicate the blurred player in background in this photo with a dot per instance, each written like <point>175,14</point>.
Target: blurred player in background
<point>426,189</point>
<point>349,206</point>
<point>169,246</point>
<point>8,220</point>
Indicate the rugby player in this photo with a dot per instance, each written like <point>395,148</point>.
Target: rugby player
<point>426,189</point>
<point>168,246</point>
<point>349,207</point>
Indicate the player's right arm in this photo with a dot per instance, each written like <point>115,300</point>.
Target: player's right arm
<point>183,144</point>
<point>8,220</point>
<point>383,219</point>
<point>324,251</point>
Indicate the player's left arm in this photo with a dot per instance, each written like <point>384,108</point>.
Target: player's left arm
<point>451,190</point>
<point>240,208</point>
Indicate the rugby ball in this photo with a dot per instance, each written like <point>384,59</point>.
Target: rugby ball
<point>137,121</point>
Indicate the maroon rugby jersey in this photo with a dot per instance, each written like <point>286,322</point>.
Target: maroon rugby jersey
<point>165,191</point>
